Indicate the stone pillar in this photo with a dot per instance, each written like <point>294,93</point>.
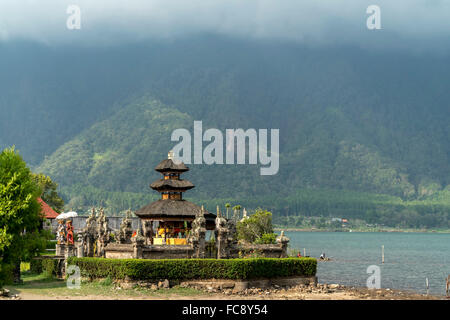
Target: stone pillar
<point>197,234</point>
<point>138,244</point>
<point>194,244</point>
<point>222,245</point>
<point>80,250</point>
<point>137,251</point>
<point>147,228</point>
<point>201,244</point>
<point>90,246</point>
<point>100,248</point>
<point>60,250</point>
<point>69,251</point>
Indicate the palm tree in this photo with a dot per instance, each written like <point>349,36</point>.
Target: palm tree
<point>237,212</point>
<point>227,205</point>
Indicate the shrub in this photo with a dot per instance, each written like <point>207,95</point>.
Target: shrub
<point>267,238</point>
<point>50,267</point>
<point>51,244</point>
<point>6,273</point>
<point>36,266</point>
<point>142,269</point>
<point>253,228</point>
<point>47,266</point>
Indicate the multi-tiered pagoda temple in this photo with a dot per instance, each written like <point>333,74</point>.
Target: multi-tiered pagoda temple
<point>172,212</point>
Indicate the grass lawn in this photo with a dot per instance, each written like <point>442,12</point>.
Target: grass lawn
<point>41,287</point>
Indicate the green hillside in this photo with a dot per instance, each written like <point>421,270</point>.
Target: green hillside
<point>362,135</point>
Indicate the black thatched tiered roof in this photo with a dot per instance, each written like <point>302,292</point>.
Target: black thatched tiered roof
<point>168,185</point>
<point>168,165</point>
<point>169,208</point>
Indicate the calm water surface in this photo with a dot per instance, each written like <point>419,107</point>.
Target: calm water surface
<point>410,258</point>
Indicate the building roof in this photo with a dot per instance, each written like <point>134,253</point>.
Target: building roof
<point>172,208</point>
<point>48,212</point>
<point>161,185</point>
<point>168,165</point>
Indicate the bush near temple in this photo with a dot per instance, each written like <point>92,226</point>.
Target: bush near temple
<point>44,265</point>
<point>36,266</point>
<point>184,269</point>
<point>50,267</point>
<point>267,238</point>
<point>256,228</point>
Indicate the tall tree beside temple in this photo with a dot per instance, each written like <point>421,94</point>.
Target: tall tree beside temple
<point>20,215</point>
<point>48,192</point>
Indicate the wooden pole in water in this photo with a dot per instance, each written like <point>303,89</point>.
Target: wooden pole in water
<point>304,252</point>
<point>382,254</point>
<point>447,286</point>
<point>428,287</point>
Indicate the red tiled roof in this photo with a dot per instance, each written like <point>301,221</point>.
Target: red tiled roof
<point>48,212</point>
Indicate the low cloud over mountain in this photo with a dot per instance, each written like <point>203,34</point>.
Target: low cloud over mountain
<point>413,25</point>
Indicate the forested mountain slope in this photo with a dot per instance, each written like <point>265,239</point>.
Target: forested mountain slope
<point>349,119</point>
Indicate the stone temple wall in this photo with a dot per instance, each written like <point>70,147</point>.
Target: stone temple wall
<point>127,251</point>
<point>265,250</point>
<point>113,222</point>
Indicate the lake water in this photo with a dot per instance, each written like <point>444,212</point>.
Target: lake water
<point>410,258</point>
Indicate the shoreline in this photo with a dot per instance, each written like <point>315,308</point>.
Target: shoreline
<point>287,229</point>
<point>301,292</point>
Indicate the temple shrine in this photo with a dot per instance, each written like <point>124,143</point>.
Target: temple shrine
<point>171,216</point>
<point>170,228</point>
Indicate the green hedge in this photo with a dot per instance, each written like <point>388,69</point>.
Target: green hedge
<point>142,269</point>
<point>51,244</point>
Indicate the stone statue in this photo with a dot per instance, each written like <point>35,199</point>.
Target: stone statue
<point>198,225</point>
<point>102,233</point>
<point>221,222</point>
<point>80,238</point>
<point>126,229</point>
<point>197,234</point>
<point>283,241</point>
<point>138,242</point>
<point>61,233</point>
<point>69,231</point>
<point>81,244</point>
<point>222,235</point>
<point>90,234</point>
<point>232,232</point>
<point>147,228</point>
<point>91,223</point>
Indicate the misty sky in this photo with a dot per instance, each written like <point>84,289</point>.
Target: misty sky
<point>410,24</point>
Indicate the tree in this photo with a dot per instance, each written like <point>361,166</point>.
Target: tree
<point>257,228</point>
<point>237,211</point>
<point>48,192</point>
<point>20,215</point>
<point>227,205</point>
